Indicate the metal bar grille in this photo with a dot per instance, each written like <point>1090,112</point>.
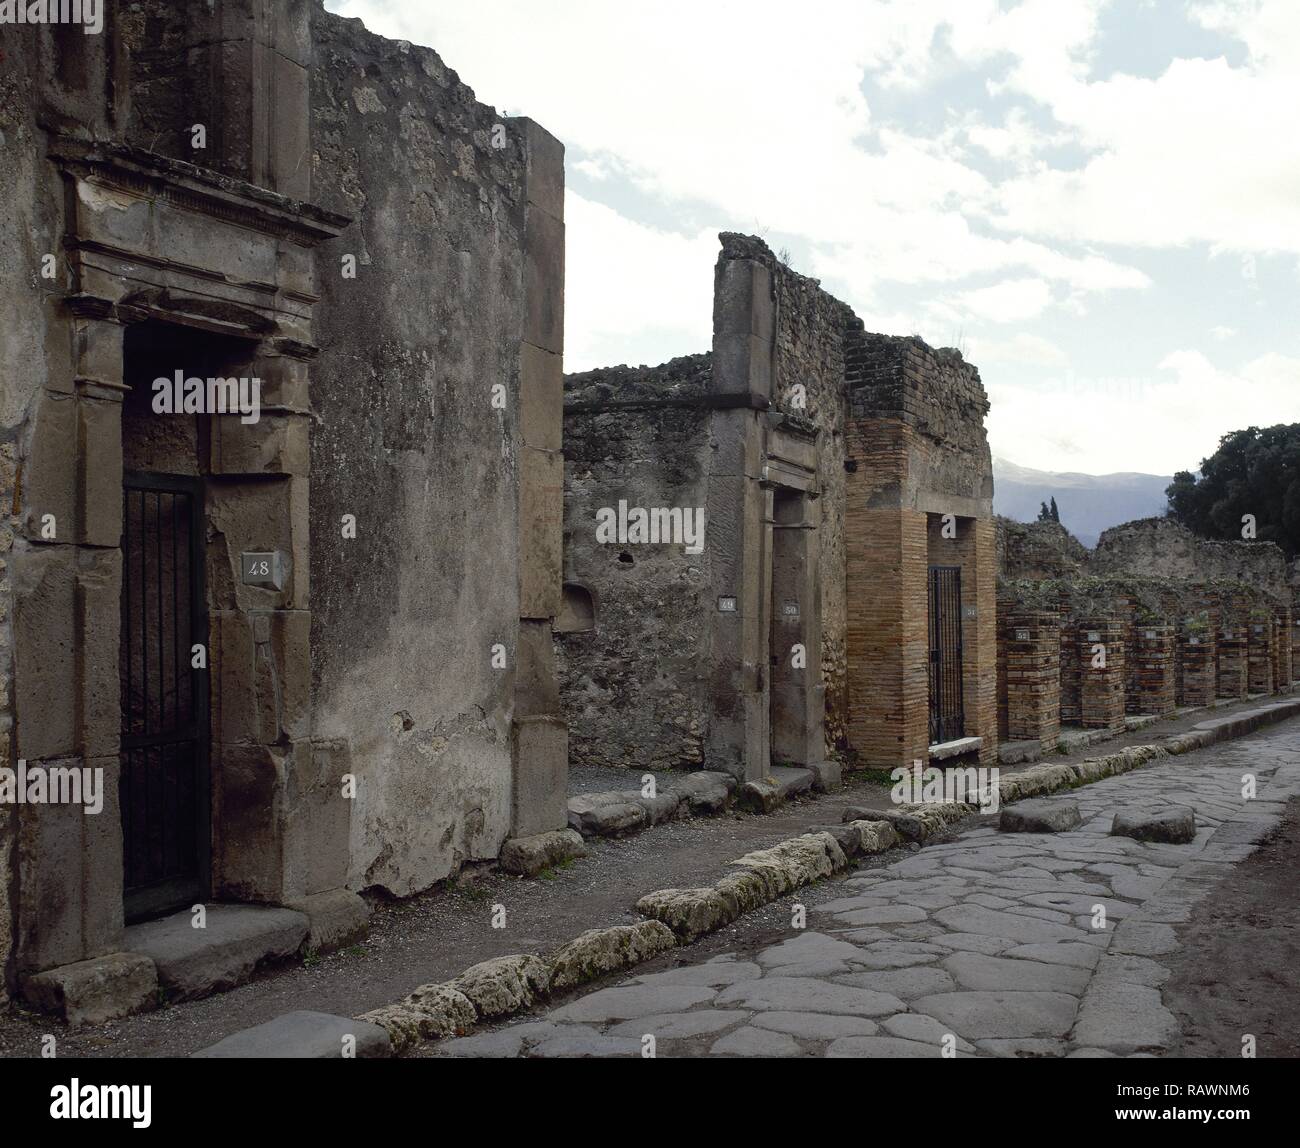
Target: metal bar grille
<point>947,715</point>
<point>164,751</point>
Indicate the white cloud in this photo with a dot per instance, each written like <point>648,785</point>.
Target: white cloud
<point>1022,349</point>
<point>1012,301</point>
<point>1155,424</point>
<point>752,116</point>
<point>617,306</point>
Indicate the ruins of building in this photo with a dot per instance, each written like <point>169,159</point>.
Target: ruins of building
<point>842,601</point>
<point>1152,620</point>
<point>310,651</point>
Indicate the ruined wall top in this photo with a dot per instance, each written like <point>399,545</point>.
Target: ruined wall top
<point>684,379</point>
<point>1038,550</point>
<point>1164,547</point>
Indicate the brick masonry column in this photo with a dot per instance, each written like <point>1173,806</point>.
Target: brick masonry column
<point>1232,666</point>
<point>1199,658</point>
<point>1153,662</point>
<point>979,629</point>
<point>1259,652</point>
<point>888,645</point>
<point>1283,665</point>
<point>1101,673</point>
<point>539,741</point>
<point>1032,640</point>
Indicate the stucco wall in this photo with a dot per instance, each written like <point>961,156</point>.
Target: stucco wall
<point>404,617</point>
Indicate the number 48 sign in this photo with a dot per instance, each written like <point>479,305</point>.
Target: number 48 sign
<point>262,568</point>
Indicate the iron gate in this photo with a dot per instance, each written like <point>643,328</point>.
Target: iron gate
<point>947,716</point>
<point>164,791</point>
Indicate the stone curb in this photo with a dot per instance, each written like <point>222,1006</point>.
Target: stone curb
<point>503,986</point>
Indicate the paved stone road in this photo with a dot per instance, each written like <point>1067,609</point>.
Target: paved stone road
<point>988,941</point>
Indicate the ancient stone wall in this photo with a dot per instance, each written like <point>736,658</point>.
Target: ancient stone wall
<point>409,441</point>
<point>1164,548</point>
<point>635,688</point>
<point>1038,550</point>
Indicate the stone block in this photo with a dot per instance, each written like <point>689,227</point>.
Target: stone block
<point>827,775</point>
<point>528,856</point>
<point>1040,817</point>
<point>317,821</point>
<point>600,951</point>
<point>97,990</point>
<point>876,836</point>
<point>1175,825</point>
<point>504,985</point>
<point>606,815</point>
<point>289,126</point>
<point>237,940</point>
<point>537,691</point>
<point>97,354</point>
<point>99,478</point>
<point>99,614</point>
<point>540,763</point>
<point>50,485</point>
<point>742,365</point>
<point>707,792</point>
<point>45,646</point>
<point>544,281</point>
<point>430,1012</point>
<point>541,532</point>
<point>541,398</point>
<point>275,444</point>
<point>544,159</point>
<point>690,913</point>
<point>302,1035</point>
<point>249,793</point>
<point>768,793</point>
<point>335,919</point>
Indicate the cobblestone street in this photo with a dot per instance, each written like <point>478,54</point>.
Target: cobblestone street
<point>992,944</point>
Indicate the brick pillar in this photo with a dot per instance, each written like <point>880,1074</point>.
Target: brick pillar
<point>1101,686</point>
<point>887,643</point>
<point>1283,661</point>
<point>1232,677</point>
<point>1259,653</point>
<point>1200,670</point>
<point>1071,707</point>
<point>1153,669</point>
<point>1032,644</point>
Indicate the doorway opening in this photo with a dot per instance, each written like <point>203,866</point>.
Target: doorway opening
<point>788,645</point>
<point>165,791</point>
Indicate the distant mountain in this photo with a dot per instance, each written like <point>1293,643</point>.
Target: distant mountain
<point>1088,503</point>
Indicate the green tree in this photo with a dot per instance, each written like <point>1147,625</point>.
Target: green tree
<point>1255,471</point>
<point>1056,514</point>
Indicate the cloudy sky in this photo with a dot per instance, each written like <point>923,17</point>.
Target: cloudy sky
<point>1099,202</point>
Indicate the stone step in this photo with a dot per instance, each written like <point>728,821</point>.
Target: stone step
<point>302,1035</point>
<point>235,941</point>
<point>781,783</point>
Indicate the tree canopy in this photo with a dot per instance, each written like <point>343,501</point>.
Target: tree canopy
<point>1255,471</point>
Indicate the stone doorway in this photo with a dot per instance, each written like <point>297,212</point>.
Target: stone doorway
<point>165,782</point>
<point>794,733</point>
